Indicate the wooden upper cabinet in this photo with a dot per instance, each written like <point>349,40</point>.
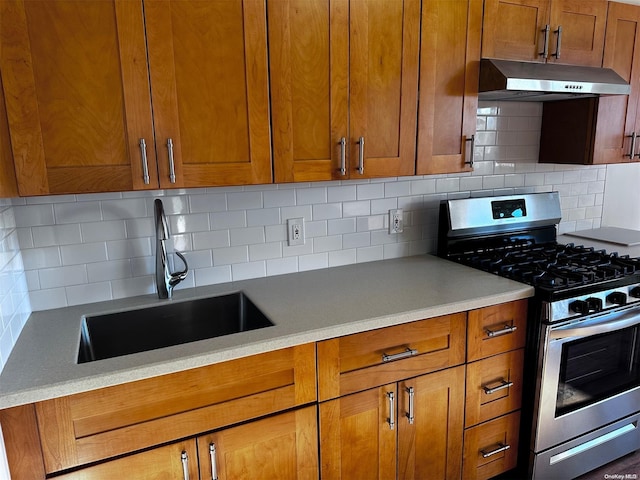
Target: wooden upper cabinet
<point>600,130</point>
<point>209,84</point>
<point>448,85</point>
<point>8,184</point>
<point>618,116</point>
<point>559,31</point>
<point>343,69</point>
<point>77,95</point>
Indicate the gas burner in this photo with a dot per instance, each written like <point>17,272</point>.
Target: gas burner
<point>551,266</point>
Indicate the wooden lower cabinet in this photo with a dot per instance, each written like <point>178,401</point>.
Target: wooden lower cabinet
<point>282,447</point>
<point>491,448</point>
<point>370,434</point>
<point>175,461</point>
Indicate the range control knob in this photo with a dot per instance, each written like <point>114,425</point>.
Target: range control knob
<point>595,304</point>
<point>617,298</point>
<point>635,292</point>
<point>579,306</point>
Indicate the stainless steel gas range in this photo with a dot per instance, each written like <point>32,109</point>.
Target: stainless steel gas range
<point>582,369</point>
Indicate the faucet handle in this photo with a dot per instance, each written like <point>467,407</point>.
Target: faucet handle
<point>177,277</point>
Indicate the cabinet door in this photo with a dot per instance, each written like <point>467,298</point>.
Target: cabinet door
<point>208,68</point>
<point>358,435</point>
<point>582,32</point>
<point>384,43</point>
<point>430,444</point>
<point>175,461</point>
<point>448,85</point>
<point>77,93</point>
<point>8,185</point>
<point>309,73</point>
<point>513,29</point>
<point>284,447</point>
<point>617,116</point>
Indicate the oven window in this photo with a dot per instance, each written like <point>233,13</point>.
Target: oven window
<point>597,367</point>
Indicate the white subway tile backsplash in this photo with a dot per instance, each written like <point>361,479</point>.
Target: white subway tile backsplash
<point>103,231</point>
<point>77,212</point>
<point>84,253</point>
<point>63,276</point>
<point>32,215</point>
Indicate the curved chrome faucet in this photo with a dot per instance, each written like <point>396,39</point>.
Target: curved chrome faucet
<point>165,280</point>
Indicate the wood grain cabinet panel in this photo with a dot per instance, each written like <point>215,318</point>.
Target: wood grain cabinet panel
<point>370,435</point>
<point>81,96</point>
<point>491,448</point>
<point>496,329</point>
<point>363,360</point>
<point>284,447</point>
<point>175,461</point>
<point>8,184</point>
<point>92,426</point>
<point>557,31</point>
<point>494,387</point>
<point>343,69</point>
<point>449,67</point>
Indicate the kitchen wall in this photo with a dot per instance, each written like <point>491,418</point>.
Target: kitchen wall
<point>86,248</point>
<point>14,295</point>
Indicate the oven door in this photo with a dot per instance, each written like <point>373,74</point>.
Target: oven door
<point>590,376</point>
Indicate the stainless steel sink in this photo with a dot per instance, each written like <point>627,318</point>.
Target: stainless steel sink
<point>132,331</point>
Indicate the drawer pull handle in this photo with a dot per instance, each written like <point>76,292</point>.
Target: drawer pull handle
<point>502,386</point>
<point>410,414</point>
<point>409,352</point>
<point>503,331</point>
<point>392,414</point>
<point>185,465</point>
<point>214,464</point>
<point>501,448</point>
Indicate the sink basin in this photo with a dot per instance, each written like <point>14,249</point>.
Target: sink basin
<point>132,331</point>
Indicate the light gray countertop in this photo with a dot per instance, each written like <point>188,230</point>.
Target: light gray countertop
<point>305,307</point>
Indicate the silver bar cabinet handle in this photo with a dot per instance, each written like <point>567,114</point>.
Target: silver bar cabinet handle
<point>172,166</point>
<point>545,50</point>
<point>632,150</point>
<point>501,448</point>
<point>392,413</point>
<point>343,156</point>
<point>145,165</point>
<point>214,464</point>
<point>410,413</point>
<point>409,352</point>
<point>504,384</point>
<point>361,156</point>
<point>471,139</point>
<point>502,331</point>
<point>185,465</point>
<point>558,41</point>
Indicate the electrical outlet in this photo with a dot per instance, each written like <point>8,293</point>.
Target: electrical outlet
<point>295,231</point>
<point>396,224</point>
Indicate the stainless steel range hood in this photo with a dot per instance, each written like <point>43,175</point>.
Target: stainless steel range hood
<point>530,81</point>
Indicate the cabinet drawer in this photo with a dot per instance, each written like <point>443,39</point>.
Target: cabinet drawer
<point>496,329</point>
<point>91,426</point>
<point>491,448</point>
<point>494,387</point>
<point>365,360</point>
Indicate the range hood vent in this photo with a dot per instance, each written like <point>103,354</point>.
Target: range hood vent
<point>530,81</point>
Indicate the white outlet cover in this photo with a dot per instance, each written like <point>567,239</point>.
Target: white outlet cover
<point>295,231</point>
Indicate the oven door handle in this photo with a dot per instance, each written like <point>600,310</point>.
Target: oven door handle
<point>624,321</point>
